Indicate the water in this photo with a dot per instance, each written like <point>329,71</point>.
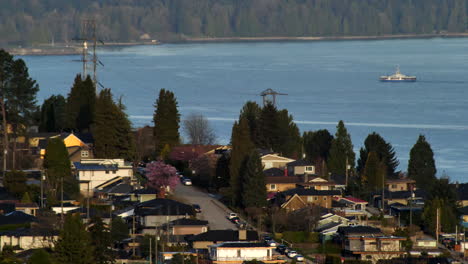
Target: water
<point>325,82</point>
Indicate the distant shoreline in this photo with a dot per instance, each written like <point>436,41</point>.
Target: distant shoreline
<point>74,49</point>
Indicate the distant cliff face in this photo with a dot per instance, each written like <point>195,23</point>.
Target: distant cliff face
<point>44,21</point>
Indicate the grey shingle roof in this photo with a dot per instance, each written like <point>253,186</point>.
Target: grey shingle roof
<point>223,235</point>
<point>311,192</point>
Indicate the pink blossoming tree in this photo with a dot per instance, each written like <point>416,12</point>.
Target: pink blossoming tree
<point>161,175</point>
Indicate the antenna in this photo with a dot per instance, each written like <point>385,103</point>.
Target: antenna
<point>269,96</point>
<point>88,35</point>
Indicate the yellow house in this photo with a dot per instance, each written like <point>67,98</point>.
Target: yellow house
<point>78,145</point>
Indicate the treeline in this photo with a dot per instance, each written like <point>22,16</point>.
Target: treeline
<point>32,21</point>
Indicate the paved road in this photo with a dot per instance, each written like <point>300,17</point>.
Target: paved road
<point>212,210</point>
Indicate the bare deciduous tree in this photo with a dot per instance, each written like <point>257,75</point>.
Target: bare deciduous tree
<point>198,130</point>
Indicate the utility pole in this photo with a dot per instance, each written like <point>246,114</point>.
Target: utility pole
<point>42,188</point>
<point>156,257</point>
<point>437,225</point>
<point>61,201</point>
<point>87,203</point>
<point>346,171</point>
<point>150,253</point>
<point>133,232</point>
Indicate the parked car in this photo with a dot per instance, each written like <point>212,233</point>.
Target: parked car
<point>281,248</point>
<point>197,208</point>
<point>187,182</point>
<point>292,254</point>
<point>286,250</point>
<point>231,215</point>
<point>271,243</point>
<point>267,237</point>
<point>241,224</point>
<point>235,220</point>
<point>299,258</point>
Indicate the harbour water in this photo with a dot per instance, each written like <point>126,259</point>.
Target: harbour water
<point>325,81</point>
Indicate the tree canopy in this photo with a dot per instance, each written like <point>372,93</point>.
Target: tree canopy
<point>53,117</point>
<point>81,104</point>
<point>341,151</point>
<point>253,186</point>
<point>112,130</point>
<point>29,21</point>
<point>384,150</point>
<point>198,130</point>
<point>421,164</point>
<point>166,121</point>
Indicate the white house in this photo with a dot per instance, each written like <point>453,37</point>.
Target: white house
<point>98,173</point>
<point>238,252</point>
<point>28,239</point>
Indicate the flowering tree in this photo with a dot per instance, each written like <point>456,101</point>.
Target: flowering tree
<point>161,175</point>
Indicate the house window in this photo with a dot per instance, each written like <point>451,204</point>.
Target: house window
<point>309,198</point>
<point>84,154</point>
<point>107,172</point>
<point>238,253</point>
<point>114,172</point>
<point>315,198</point>
<point>324,198</point>
<point>394,186</point>
<point>309,168</point>
<point>272,186</point>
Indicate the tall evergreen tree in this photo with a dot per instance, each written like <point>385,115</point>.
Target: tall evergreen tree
<point>268,128</point>
<point>317,146</point>
<point>253,187</point>
<point>374,173</point>
<point>101,241</point>
<point>252,111</point>
<point>81,104</point>
<point>58,167</point>
<point>385,152</point>
<point>15,182</point>
<point>166,121</point>
<point>242,146</point>
<point>74,243</point>
<point>53,117</point>
<point>119,229</point>
<point>341,150</point>
<point>288,135</point>
<point>112,129</point>
<point>421,164</point>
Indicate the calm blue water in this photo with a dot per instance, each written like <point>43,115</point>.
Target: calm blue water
<point>325,82</point>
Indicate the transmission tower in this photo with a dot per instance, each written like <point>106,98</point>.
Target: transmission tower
<point>90,61</point>
<point>269,96</point>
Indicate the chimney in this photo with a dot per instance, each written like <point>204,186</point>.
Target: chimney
<point>242,234</point>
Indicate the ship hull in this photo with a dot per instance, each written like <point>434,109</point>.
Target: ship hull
<point>407,80</point>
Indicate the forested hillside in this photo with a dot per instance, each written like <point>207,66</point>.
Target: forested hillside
<point>41,21</point>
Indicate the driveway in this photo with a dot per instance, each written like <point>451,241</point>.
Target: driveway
<point>212,210</point>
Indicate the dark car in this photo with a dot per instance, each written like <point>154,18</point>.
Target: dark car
<point>197,208</point>
<point>281,248</point>
<point>235,220</point>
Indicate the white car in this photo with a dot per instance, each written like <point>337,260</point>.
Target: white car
<point>271,243</point>
<point>187,182</point>
<point>231,216</point>
<point>292,254</point>
<point>299,258</point>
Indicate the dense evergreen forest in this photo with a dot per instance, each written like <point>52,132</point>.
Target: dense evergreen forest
<point>44,21</point>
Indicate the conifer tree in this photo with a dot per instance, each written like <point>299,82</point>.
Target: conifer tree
<point>81,104</point>
<point>74,243</point>
<point>166,121</point>
<point>112,129</point>
<point>119,229</point>
<point>58,166</point>
<point>252,111</point>
<point>101,242</point>
<point>53,117</point>
<point>374,173</point>
<point>341,151</point>
<point>288,135</point>
<point>242,146</point>
<point>421,164</point>
<point>268,128</point>
<point>385,152</point>
<point>15,182</point>
<point>253,187</point>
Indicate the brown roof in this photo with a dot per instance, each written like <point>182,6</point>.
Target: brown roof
<point>284,179</point>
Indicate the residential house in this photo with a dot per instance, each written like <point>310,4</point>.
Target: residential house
<point>27,208</point>
<point>202,241</point>
<point>282,183</point>
<point>143,195</point>
<point>329,223</point>
<point>462,191</point>
<point>301,197</point>
<point>238,252</point>
<point>425,246</point>
<point>26,238</point>
<point>301,167</point>
<point>272,160</point>
<point>317,183</point>
<point>369,243</point>
<point>186,226</point>
<point>79,146</point>
<point>154,213</point>
<point>339,180</point>
<point>119,188</point>
<point>16,218</point>
<point>99,173</point>
<point>351,207</point>
<point>403,197</point>
<point>394,185</point>
<point>464,216</point>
